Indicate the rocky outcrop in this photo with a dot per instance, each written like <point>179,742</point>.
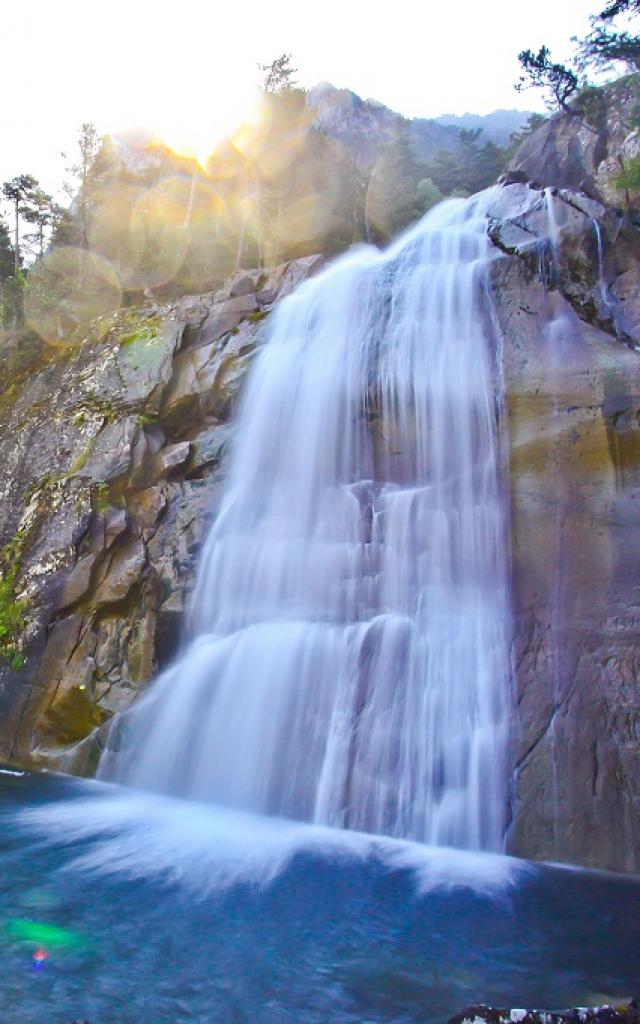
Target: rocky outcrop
<point>584,151</point>
<point>365,127</point>
<point>623,1013</point>
<point>111,456</point>
<point>572,378</point>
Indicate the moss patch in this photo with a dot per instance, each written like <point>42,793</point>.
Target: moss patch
<point>143,351</point>
<point>259,315</point>
<point>12,611</point>
<point>148,332</point>
<point>74,716</point>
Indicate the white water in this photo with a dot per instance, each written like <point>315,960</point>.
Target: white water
<point>350,665</point>
<point>114,831</point>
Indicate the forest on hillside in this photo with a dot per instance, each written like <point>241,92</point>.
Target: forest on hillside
<point>153,221</point>
<point>143,221</point>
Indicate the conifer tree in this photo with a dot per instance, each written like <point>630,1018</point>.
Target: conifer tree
<point>19,191</point>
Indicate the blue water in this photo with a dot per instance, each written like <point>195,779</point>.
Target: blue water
<point>186,913</point>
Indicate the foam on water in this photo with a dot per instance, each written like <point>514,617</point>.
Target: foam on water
<point>206,848</point>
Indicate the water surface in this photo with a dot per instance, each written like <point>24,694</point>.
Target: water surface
<point>174,912</point>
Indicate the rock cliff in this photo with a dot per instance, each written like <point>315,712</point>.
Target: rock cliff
<point>585,153</point>
<point>112,455</point>
<point>573,401</point>
<point>365,127</point>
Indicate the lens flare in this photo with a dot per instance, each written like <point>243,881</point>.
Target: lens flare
<point>43,935</point>
<point>66,291</point>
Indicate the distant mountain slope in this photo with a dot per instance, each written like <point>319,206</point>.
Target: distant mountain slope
<point>364,127</point>
<point>497,126</point>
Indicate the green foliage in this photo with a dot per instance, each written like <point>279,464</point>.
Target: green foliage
<point>91,170</point>
<point>392,200</point>
<point>469,167</point>
<point>617,7</point>
<point>81,460</point>
<point>19,191</point>
<point>602,49</point>
<point>100,500</point>
<point>44,213</point>
<point>12,611</point>
<point>539,71</point>
<point>427,194</point>
<point>148,332</point>
<point>6,252</point>
<point>628,180</point>
<point>592,104</point>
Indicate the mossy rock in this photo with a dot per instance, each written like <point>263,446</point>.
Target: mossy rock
<point>73,716</point>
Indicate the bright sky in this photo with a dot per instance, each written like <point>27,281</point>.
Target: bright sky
<point>187,70</point>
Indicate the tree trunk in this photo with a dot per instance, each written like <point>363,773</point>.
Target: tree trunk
<point>16,250</point>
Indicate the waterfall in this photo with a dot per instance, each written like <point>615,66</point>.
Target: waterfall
<point>548,246</point>
<point>350,657</point>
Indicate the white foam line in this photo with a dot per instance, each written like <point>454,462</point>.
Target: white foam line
<point>140,835</point>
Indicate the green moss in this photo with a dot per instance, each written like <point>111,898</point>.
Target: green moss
<point>256,317</point>
<point>73,716</point>
<point>148,419</point>
<point>143,350</point>
<point>100,500</point>
<point>148,332</point>
<point>81,460</point>
<point>628,179</point>
<point>12,611</point>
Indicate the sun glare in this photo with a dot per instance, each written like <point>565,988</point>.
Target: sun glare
<point>197,131</point>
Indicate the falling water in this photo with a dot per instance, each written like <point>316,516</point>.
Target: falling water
<point>607,304</point>
<point>548,265</point>
<point>350,662</point>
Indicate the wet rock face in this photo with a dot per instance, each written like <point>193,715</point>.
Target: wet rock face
<point>112,456</point>
<point>573,403</point>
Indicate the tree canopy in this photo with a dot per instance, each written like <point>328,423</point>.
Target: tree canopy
<point>601,50</point>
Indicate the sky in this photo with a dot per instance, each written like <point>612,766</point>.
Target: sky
<point>188,71</point>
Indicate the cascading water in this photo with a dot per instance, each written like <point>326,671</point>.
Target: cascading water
<point>350,664</point>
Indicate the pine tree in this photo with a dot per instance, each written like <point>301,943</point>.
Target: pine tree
<point>44,213</point>
<point>19,191</point>
<point>90,170</point>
